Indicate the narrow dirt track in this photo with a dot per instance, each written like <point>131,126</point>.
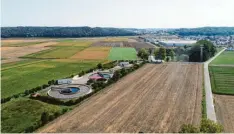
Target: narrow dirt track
<point>224,106</point>
<point>155,98</point>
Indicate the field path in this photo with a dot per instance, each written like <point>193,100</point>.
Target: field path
<point>155,98</point>
<point>209,97</point>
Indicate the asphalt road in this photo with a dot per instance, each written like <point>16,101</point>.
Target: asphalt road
<point>209,97</point>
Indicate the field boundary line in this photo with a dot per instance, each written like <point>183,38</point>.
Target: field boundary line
<point>209,96</point>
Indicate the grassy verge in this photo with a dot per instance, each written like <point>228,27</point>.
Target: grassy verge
<point>204,112</point>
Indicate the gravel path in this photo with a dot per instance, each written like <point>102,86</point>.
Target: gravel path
<point>209,97</point>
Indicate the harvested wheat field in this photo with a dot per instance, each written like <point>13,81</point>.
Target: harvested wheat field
<point>224,107</point>
<point>12,54</point>
<point>155,98</point>
<point>93,53</point>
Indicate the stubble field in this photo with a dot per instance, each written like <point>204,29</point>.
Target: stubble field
<point>224,105</point>
<point>155,98</point>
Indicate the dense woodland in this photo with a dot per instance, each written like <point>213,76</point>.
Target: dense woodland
<point>7,32</point>
<point>208,31</point>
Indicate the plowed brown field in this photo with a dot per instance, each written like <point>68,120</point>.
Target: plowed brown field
<point>12,54</point>
<point>93,53</point>
<point>224,107</point>
<point>155,98</point>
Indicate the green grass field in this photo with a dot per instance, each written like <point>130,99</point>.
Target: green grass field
<point>56,53</point>
<point>122,54</point>
<point>23,77</point>
<point>19,114</point>
<point>227,57</point>
<point>222,79</point>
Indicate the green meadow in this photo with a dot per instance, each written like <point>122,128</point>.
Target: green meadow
<point>227,57</point>
<point>122,53</point>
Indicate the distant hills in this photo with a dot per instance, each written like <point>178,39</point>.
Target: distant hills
<point>8,32</point>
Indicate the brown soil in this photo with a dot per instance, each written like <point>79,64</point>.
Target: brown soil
<point>224,106</point>
<point>93,53</point>
<point>20,40</point>
<point>136,45</point>
<point>155,98</point>
<point>12,54</point>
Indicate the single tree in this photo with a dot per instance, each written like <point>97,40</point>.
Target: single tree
<point>143,54</point>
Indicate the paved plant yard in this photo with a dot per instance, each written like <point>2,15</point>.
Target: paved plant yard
<point>122,54</point>
<point>155,98</point>
<point>224,105</point>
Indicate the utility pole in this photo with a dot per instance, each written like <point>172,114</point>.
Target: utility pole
<point>201,53</point>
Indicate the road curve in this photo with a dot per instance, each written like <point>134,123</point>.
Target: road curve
<point>209,97</point>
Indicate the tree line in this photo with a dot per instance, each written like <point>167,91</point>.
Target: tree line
<point>8,32</point>
<point>207,31</point>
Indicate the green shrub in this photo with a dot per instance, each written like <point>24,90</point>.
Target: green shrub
<point>189,129</point>
<point>208,126</point>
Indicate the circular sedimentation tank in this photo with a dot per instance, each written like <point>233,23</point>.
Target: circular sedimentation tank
<point>69,91</point>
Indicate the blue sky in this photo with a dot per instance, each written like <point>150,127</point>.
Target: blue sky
<point>118,13</point>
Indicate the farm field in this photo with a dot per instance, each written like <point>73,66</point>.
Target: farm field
<point>93,53</point>
<point>12,54</point>
<point>224,105</point>
<point>155,98</point>
<point>129,43</point>
<point>16,116</point>
<point>23,42</point>
<point>73,42</point>
<point>226,58</point>
<point>56,53</point>
<point>222,79</point>
<point>122,54</point>
<point>19,78</point>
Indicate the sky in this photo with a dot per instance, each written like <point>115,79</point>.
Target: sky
<point>118,13</point>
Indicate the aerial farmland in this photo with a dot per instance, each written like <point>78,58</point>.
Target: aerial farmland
<point>153,102</point>
<point>222,81</point>
<point>154,98</point>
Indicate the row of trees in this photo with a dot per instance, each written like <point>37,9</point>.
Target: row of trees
<point>7,32</point>
<point>159,53</point>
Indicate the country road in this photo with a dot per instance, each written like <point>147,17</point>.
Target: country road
<point>209,97</point>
